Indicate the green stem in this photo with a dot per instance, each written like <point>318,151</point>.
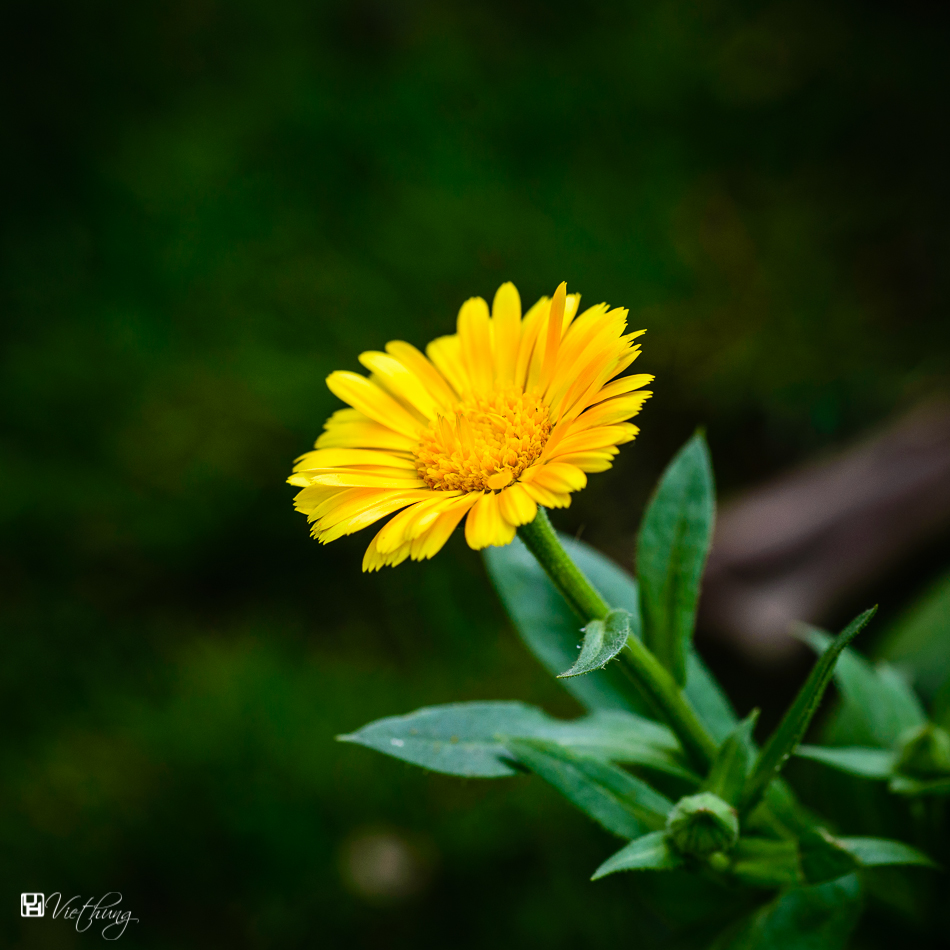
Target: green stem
<point>541,540</point>
<point>650,676</point>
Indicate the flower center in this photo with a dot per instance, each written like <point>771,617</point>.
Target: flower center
<point>486,442</point>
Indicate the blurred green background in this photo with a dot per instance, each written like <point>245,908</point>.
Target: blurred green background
<point>206,208</point>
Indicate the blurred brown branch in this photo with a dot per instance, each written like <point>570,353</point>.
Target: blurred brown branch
<point>795,548</point>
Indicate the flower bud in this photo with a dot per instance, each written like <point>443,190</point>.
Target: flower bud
<point>700,825</point>
<point>925,752</point>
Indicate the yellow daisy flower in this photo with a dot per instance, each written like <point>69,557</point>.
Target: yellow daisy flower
<point>506,414</point>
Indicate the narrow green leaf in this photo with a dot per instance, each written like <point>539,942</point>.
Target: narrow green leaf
<point>672,547</point>
<point>649,853</point>
<point>913,787</point>
<point>766,862</point>
<point>875,852</point>
<point>819,917</point>
<point>550,629</point>
<point>879,705</point>
<point>824,857</point>
<point>795,722</point>
<point>614,798</point>
<point>855,760</point>
<point>463,738</point>
<point>603,640</point>
<point>731,767</point>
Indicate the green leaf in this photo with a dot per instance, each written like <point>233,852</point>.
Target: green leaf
<point>464,738</point>
<point>603,640</point>
<point>652,852</point>
<point>615,736</point>
<point>672,546</point>
<point>792,728</point>
<point>614,798</point>
<point>882,705</point>
<point>875,852</point>
<point>907,785</point>
<point>766,862</point>
<point>731,766</point>
<point>919,639</point>
<point>824,857</point>
<point>549,627</point>
<point>819,917</point>
<point>855,760</point>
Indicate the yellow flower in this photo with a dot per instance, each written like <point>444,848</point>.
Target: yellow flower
<point>506,414</point>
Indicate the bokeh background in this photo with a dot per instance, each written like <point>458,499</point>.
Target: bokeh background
<point>206,208</point>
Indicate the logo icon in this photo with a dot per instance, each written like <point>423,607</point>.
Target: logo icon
<point>32,905</point>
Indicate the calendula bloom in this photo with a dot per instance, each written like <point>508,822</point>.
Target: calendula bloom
<point>507,414</point>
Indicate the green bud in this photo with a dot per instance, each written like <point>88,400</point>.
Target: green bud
<point>925,752</point>
<point>700,825</point>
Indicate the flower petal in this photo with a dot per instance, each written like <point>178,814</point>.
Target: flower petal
<point>368,398</point>
<point>517,507</point>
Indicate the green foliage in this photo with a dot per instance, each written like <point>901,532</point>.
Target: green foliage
<point>790,731</point>
<point>877,852</point>
<point>919,639</point>
<point>729,770</point>
<point>855,760</point>
<point>879,706</point>
<point>803,918</point>
<point>551,631</point>
<point>614,798</point>
<point>672,547</point>
<point>603,640</point>
<point>549,627</point>
<point>650,852</point>
<point>468,739</point>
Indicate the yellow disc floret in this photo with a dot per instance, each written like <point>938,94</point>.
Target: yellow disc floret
<point>486,442</point>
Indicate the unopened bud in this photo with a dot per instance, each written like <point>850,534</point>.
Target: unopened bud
<point>700,825</point>
<point>925,752</point>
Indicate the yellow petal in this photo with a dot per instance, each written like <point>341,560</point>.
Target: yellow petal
<point>401,528</point>
<point>366,396</point>
<point>329,458</point>
<point>474,332</point>
<point>402,383</point>
<point>364,435</point>
<point>555,328</point>
<point>506,320</point>
<point>530,328</point>
<point>430,542</point>
<point>589,462</point>
<point>618,409</point>
<point>416,362</point>
<point>354,478</point>
<point>485,526</point>
<point>544,496</point>
<point>560,477</point>
<point>356,515</point>
<point>446,355</point>
<point>624,385</point>
<point>517,507</point>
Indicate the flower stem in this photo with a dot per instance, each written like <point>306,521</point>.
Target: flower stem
<point>650,676</point>
<point>541,540</point>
